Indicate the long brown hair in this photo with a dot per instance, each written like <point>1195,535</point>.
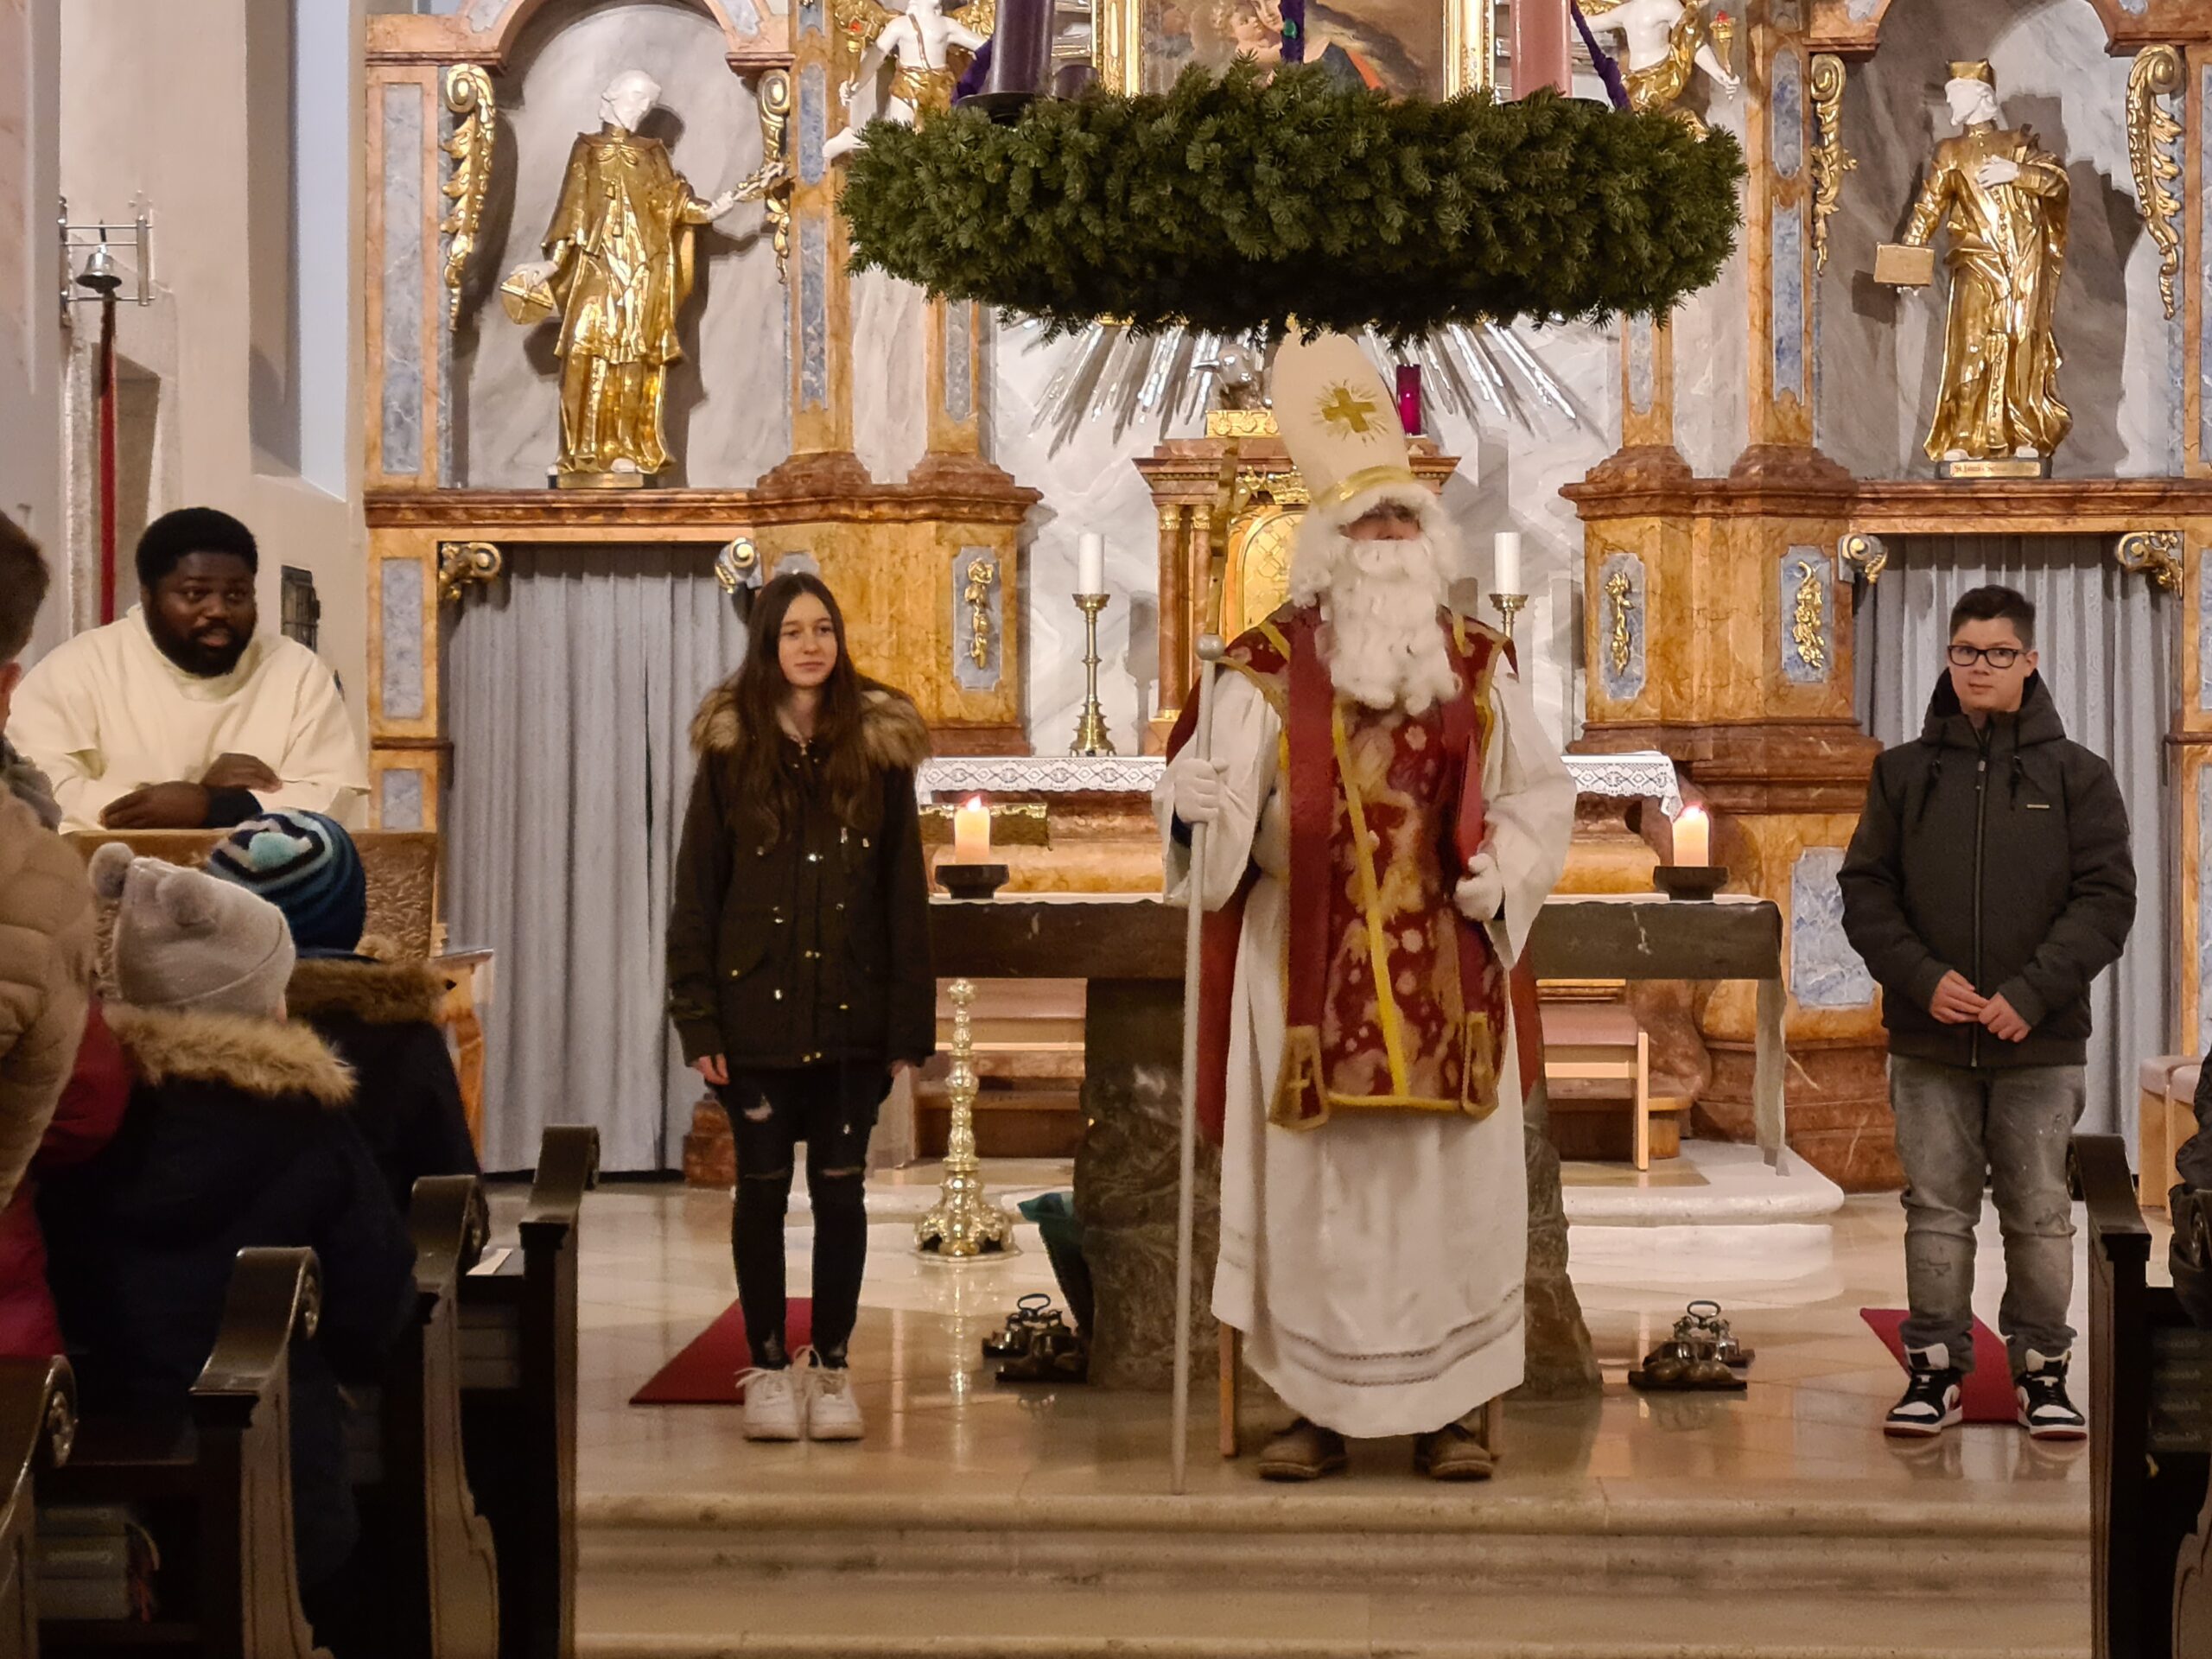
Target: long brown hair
<point>764,784</point>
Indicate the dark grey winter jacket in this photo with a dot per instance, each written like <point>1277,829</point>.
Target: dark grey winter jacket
<point>2002,854</point>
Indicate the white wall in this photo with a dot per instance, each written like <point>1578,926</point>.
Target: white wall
<point>154,101</point>
<point>31,340</point>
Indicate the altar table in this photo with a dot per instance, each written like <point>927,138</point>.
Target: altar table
<point>1130,951</point>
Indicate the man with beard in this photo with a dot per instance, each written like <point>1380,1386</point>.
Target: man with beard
<point>1384,819</point>
<point>181,717</point>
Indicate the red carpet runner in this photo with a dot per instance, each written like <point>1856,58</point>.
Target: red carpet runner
<point>705,1373</point>
<point>1988,1395</point>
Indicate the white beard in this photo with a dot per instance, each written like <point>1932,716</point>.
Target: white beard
<point>1382,642</point>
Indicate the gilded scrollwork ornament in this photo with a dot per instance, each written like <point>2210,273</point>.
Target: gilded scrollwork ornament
<point>1808,618</point>
<point>775,178</point>
<point>2152,132</point>
<point>2153,553</point>
<point>1620,606</point>
<point>1865,554</point>
<point>472,145</point>
<point>982,573</point>
<point>1831,161</point>
<point>465,564</point>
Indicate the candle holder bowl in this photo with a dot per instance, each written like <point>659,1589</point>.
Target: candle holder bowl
<point>1690,881</point>
<point>970,880</point>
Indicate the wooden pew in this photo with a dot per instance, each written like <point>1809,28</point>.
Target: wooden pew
<point>226,1472</point>
<point>38,1419</point>
<point>438,1549</point>
<point>518,1402</point>
<point>2150,1417</point>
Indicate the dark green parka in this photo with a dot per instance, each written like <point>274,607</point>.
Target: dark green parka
<point>810,945</point>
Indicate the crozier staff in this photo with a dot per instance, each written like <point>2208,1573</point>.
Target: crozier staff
<point>798,966</point>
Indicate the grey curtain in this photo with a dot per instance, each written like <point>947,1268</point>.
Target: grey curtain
<point>2106,641</point>
<point>570,693</point>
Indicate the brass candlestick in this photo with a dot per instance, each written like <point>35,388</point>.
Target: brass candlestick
<point>1508,606</point>
<point>1090,736</point>
<point>964,1224</point>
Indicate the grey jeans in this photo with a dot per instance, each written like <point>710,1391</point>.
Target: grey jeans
<point>1953,1124</point>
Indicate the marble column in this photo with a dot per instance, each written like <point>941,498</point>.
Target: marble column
<point>820,288</point>
<point>1716,623</point>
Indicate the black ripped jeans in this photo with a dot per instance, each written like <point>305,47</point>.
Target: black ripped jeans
<point>832,1108</point>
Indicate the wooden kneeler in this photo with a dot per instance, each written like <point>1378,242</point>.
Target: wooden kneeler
<point>1232,1365</point>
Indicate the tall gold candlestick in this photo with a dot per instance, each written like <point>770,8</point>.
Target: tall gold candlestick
<point>965,1224</point>
<point>1509,606</point>
<point>1090,735</point>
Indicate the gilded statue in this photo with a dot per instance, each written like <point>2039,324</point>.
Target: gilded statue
<point>2004,199</point>
<point>1666,43</point>
<point>617,270</point>
<point>926,50</point>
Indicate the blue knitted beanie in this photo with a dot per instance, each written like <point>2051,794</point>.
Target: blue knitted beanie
<point>306,865</point>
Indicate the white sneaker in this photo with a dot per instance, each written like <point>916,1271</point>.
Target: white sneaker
<point>774,1409</point>
<point>832,1414</point>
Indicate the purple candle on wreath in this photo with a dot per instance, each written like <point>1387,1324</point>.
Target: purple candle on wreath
<point>1293,31</point>
<point>1409,410</point>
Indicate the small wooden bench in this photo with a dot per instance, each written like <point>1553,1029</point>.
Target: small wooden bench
<point>1595,1042</point>
<point>444,1575</point>
<point>2150,1431</point>
<point>220,1485</point>
<point>518,1402</point>
<point>38,1420</point>
<point>2166,1116</point>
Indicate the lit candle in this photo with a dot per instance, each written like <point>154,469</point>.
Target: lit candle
<point>971,833</point>
<point>1090,563</point>
<point>1693,837</point>
<point>1506,573</point>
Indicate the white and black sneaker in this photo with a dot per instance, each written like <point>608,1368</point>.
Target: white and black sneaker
<point>1931,1398</point>
<point>2045,1412</point>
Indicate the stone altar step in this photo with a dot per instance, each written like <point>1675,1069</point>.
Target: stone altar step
<point>1575,1572</point>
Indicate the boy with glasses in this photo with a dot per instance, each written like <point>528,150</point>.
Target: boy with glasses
<point>1988,883</point>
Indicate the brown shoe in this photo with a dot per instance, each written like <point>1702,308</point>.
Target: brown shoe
<point>1305,1450</point>
<point>1454,1453</point>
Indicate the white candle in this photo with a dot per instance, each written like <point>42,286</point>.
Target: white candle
<point>1090,563</point>
<point>971,833</point>
<point>1693,837</point>
<point>1505,572</point>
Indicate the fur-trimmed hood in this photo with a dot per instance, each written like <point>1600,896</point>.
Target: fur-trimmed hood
<point>891,726</point>
<point>261,1057</point>
<point>375,992</point>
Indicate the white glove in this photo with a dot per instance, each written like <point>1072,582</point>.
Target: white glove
<point>1998,170</point>
<point>1195,788</point>
<point>1481,896</point>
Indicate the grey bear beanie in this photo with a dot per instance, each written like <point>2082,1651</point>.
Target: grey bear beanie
<point>185,941</point>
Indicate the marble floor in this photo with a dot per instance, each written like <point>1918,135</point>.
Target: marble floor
<point>656,1269</point>
<point>982,1521</point>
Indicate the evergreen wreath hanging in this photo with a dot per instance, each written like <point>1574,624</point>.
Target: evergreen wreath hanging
<point>1240,201</point>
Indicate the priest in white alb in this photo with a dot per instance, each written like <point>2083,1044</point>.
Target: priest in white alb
<point>1383,819</point>
<point>183,715</point>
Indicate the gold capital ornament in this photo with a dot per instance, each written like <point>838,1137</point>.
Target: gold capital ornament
<point>2003,198</point>
<point>2151,131</point>
<point>1831,161</point>
<point>475,139</point>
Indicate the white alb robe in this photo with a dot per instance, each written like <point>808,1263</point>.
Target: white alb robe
<point>107,713</point>
<point>1374,1263</point>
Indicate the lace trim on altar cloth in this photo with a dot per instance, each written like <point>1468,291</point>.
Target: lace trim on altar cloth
<point>1640,775</point>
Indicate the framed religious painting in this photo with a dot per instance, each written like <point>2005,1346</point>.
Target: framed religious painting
<point>1408,48</point>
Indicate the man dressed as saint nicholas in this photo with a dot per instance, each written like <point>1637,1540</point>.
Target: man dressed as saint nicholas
<point>1385,817</point>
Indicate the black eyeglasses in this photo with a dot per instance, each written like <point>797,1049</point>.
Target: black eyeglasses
<point>1995,656</point>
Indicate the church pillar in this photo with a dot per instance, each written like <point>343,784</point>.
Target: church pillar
<point>1717,626</point>
<point>819,288</point>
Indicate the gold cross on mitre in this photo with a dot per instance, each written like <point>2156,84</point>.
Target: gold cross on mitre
<point>1347,411</point>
